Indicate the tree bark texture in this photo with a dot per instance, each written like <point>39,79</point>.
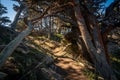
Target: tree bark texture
<point>96,52</point>
<point>95,32</point>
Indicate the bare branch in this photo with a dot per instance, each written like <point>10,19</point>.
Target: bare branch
<point>36,19</point>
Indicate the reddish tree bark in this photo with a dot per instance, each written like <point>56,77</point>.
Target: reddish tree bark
<point>95,49</point>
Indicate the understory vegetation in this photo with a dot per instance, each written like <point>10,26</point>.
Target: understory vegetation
<point>60,40</point>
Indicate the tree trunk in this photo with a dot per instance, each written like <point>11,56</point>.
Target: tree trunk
<point>8,50</point>
<point>95,33</point>
<point>96,52</point>
<point>13,25</point>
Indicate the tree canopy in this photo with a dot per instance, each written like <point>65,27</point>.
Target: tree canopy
<point>3,19</point>
<point>80,25</point>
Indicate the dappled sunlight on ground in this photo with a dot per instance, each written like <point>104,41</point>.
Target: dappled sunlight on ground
<point>73,69</point>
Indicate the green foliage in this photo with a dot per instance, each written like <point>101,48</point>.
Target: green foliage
<point>115,58</point>
<point>5,35</point>
<point>91,74</point>
<point>59,35</point>
<point>2,9</point>
<point>69,24</point>
<point>56,37</point>
<point>26,63</point>
<point>3,19</point>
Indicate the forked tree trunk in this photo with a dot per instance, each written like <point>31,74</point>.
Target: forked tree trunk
<point>96,52</point>
<point>8,50</point>
<point>93,28</point>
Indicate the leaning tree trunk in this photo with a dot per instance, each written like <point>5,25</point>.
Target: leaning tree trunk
<point>95,50</point>
<point>8,50</point>
<point>13,25</point>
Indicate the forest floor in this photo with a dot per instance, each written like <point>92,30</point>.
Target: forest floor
<point>73,68</point>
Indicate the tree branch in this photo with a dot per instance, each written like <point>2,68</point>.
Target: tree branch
<point>8,50</point>
<point>13,25</point>
<point>36,19</point>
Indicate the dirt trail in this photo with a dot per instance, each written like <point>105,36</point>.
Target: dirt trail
<point>73,68</point>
